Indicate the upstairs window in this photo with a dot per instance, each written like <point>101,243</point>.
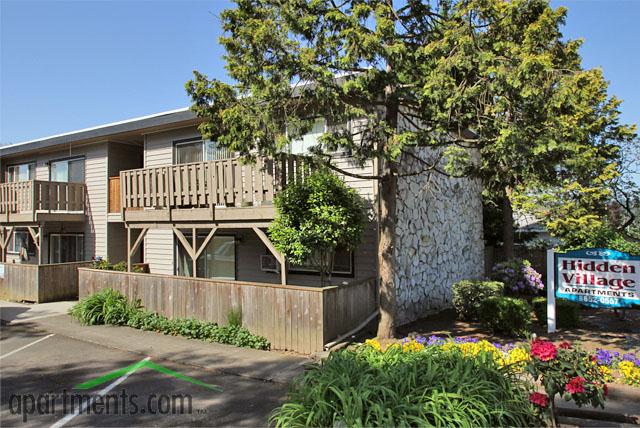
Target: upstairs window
<point>301,145</point>
<point>198,151</point>
<point>67,170</point>
<point>21,172</point>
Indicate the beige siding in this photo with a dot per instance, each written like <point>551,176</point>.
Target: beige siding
<point>97,194</point>
<point>158,244</point>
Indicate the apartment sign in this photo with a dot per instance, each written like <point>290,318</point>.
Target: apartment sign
<point>598,277</point>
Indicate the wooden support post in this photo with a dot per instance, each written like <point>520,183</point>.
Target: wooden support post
<point>206,242</point>
<point>37,238</point>
<point>128,249</point>
<point>132,249</point>
<point>188,247</point>
<point>5,237</point>
<point>194,260</point>
<point>277,254</point>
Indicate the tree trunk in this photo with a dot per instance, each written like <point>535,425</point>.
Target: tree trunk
<point>507,225</point>
<point>387,233</point>
<point>386,249</point>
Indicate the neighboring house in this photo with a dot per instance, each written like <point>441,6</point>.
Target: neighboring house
<point>151,190</point>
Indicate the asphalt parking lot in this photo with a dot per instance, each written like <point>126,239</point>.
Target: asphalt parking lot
<point>42,375</point>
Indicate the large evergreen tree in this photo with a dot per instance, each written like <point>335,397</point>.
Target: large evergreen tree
<point>451,75</point>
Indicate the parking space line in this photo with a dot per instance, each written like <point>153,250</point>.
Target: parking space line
<point>25,346</point>
<point>102,392</point>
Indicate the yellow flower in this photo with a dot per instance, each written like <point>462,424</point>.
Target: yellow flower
<point>374,344</point>
<point>518,357</point>
<point>630,373</point>
<point>412,346</point>
<point>606,372</point>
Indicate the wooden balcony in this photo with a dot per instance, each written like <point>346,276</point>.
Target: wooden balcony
<point>213,191</point>
<point>36,201</point>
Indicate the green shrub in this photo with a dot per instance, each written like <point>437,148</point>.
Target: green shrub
<point>567,312</point>
<point>467,296</point>
<point>104,264</point>
<point>506,315</point>
<point>234,317</point>
<point>111,307</point>
<point>196,329</point>
<point>105,307</point>
<point>364,387</point>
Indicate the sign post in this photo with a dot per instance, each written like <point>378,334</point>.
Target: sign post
<point>551,292</point>
<point>596,277</point>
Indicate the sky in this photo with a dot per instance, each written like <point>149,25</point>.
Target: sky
<point>67,65</point>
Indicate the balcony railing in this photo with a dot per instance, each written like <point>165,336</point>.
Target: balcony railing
<point>24,200</point>
<point>219,183</point>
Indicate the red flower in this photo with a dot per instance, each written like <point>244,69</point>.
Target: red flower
<point>575,385</point>
<point>543,350</point>
<point>539,399</point>
<point>606,389</point>
<point>565,345</point>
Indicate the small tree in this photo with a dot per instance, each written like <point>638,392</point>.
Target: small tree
<point>314,218</point>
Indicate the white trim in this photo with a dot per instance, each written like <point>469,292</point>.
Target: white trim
<point>93,128</point>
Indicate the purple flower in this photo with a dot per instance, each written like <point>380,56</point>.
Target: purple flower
<point>604,357</point>
<point>435,340</point>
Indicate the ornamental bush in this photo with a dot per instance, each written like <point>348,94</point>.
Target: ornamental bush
<point>112,307</point>
<point>369,386</point>
<point>506,315</point>
<point>315,217</point>
<point>567,312</point>
<point>568,371</point>
<point>105,307</point>
<point>467,296</point>
<point>519,278</point>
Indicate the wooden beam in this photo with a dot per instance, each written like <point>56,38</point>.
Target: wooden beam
<point>184,242</point>
<point>36,241</point>
<point>277,254</point>
<point>206,242</point>
<point>35,236</point>
<point>194,265</point>
<point>139,239</point>
<point>198,224</point>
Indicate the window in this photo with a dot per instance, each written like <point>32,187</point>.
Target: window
<point>68,170</point>
<point>197,151</point>
<point>217,261</point>
<point>66,247</point>
<point>301,145</point>
<point>22,172</point>
<point>21,239</point>
<point>342,264</point>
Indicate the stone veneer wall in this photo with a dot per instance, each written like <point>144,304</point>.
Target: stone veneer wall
<point>439,239</point>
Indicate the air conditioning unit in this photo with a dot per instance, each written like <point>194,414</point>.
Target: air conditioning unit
<point>268,263</point>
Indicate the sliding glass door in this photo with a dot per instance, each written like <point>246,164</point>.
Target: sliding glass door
<point>217,261</point>
<point>66,247</point>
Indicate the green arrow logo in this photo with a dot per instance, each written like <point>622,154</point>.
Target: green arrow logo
<point>125,371</point>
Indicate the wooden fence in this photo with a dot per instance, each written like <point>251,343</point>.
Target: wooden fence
<point>40,283</point>
<point>296,318</point>
<point>225,182</point>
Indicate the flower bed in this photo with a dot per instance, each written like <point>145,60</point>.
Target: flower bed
<point>411,384</point>
<point>563,370</point>
<point>627,365</point>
